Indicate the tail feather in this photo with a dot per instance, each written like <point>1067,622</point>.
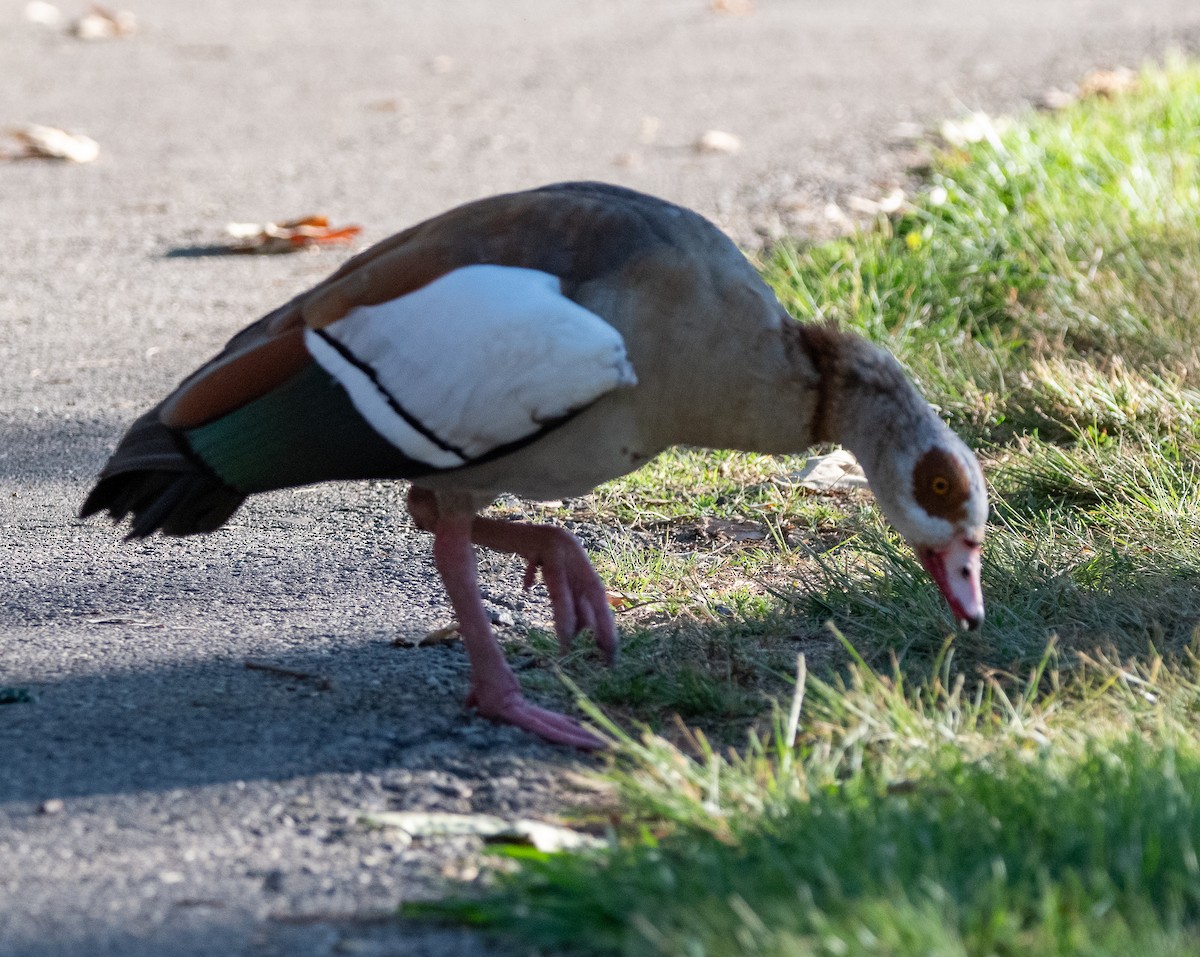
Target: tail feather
<point>153,479</point>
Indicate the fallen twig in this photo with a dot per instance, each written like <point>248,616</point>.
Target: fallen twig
<point>322,683</point>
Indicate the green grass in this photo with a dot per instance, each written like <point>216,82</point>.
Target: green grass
<point>972,794</point>
<point>1011,818</point>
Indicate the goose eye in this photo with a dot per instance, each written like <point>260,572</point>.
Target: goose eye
<point>941,485</point>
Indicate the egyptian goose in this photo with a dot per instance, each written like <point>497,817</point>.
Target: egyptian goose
<point>539,343</point>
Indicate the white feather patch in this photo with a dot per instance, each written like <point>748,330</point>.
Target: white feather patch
<point>480,357</point>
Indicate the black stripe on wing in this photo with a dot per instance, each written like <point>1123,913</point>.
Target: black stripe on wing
<point>394,403</point>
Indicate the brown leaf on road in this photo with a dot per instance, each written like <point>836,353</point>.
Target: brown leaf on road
<point>100,23</point>
<point>35,141</point>
<point>288,236</point>
<point>737,8</point>
<point>439,636</point>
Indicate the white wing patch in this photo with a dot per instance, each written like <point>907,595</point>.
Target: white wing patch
<point>480,357</point>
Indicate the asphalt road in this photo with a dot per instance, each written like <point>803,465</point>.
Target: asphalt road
<point>159,797</point>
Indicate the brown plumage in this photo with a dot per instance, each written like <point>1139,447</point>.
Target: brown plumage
<point>539,343</point>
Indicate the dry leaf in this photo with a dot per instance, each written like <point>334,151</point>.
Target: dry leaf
<point>100,23</point>
<point>547,838</point>
<point>717,141</point>
<point>738,8</point>
<point>732,529</point>
<point>837,470</point>
<point>287,237</point>
<point>1056,99</point>
<point>1108,83</point>
<point>34,141</point>
<point>1099,83</point>
<point>439,636</point>
<point>892,202</point>
<point>974,128</point>
<point>835,215</point>
<point>47,14</point>
<point>887,204</point>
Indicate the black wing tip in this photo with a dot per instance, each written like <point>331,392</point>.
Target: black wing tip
<point>175,503</point>
<point>99,500</point>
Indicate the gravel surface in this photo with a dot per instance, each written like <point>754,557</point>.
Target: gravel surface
<point>158,796</point>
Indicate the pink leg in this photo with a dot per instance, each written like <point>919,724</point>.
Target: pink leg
<point>495,691</point>
<point>577,594</point>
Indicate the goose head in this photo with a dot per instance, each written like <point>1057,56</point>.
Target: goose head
<point>926,481</point>
<point>933,493</point>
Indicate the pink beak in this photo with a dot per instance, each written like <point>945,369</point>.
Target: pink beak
<point>955,570</point>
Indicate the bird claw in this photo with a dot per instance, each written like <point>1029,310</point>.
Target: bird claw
<point>577,594</point>
<point>512,708</point>
<point>531,570</point>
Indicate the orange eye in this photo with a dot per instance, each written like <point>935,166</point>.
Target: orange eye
<point>940,485</point>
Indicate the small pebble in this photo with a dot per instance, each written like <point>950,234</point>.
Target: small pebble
<point>501,616</point>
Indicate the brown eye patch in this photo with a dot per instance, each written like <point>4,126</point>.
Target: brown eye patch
<point>941,485</point>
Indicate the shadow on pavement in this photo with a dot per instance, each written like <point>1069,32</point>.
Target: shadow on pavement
<point>162,727</point>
